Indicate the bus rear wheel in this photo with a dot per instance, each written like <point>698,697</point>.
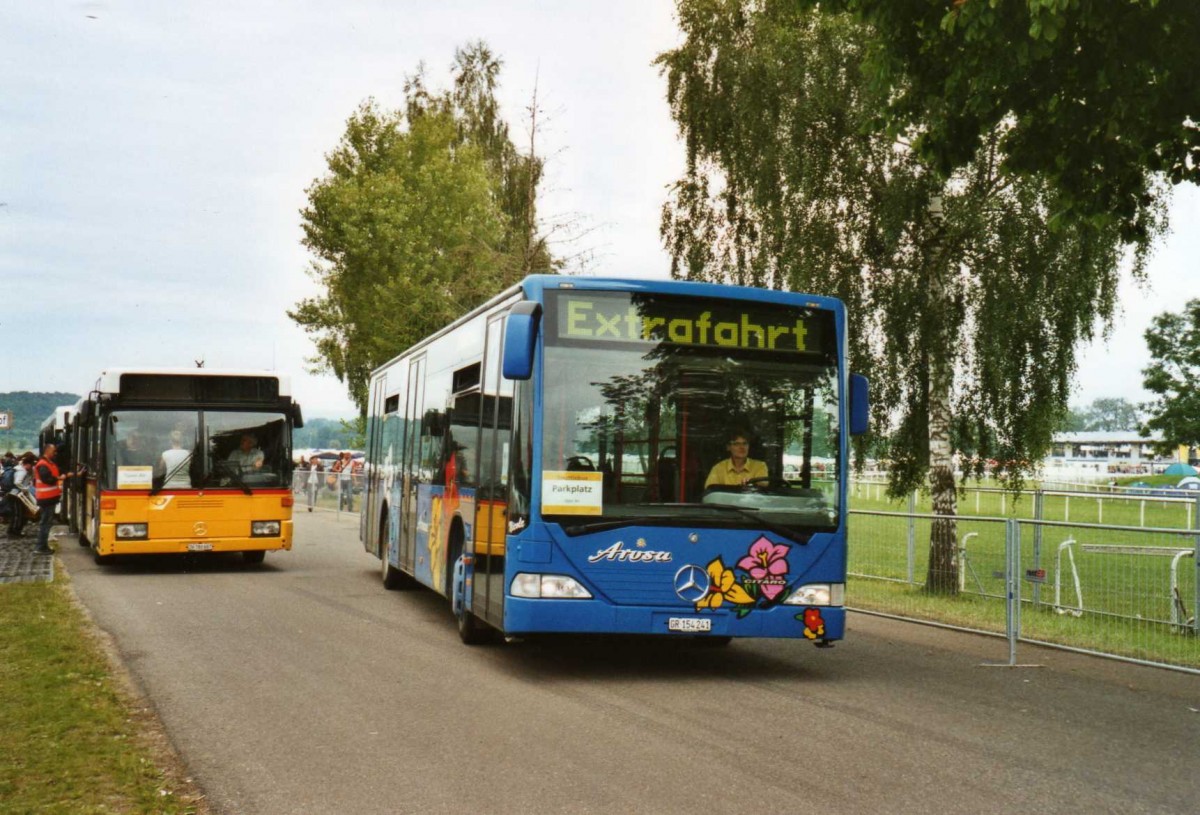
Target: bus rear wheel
<point>393,578</point>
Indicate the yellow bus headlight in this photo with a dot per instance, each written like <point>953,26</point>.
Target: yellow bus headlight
<point>132,532</point>
<point>264,529</point>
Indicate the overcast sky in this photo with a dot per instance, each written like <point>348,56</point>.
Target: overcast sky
<point>154,157</point>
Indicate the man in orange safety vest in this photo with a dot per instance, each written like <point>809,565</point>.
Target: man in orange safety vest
<point>47,483</point>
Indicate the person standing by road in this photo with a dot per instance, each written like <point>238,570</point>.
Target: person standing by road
<point>300,476</point>
<point>315,470</point>
<point>345,483</point>
<point>47,482</point>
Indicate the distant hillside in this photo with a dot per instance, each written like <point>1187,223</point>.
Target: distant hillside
<point>322,434</point>
<point>29,410</point>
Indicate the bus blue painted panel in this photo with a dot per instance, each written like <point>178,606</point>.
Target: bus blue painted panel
<point>581,617</point>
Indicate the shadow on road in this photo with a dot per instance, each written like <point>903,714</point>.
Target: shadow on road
<point>666,658</point>
<point>549,657</point>
<point>206,563</point>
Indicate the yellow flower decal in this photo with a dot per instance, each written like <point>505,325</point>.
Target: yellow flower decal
<point>721,588</point>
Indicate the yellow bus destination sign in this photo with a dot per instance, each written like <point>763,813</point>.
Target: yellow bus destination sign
<point>700,322</point>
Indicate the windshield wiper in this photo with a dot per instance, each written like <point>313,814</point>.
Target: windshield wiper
<point>755,515</point>
<point>616,523</point>
<point>174,471</point>
<point>657,520</point>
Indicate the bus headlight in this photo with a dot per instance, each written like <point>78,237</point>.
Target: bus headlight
<point>818,594</point>
<point>264,529</point>
<point>549,587</point>
<point>132,532</point>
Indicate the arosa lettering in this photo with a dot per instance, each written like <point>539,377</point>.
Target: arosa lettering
<point>680,322</point>
<point>618,552</point>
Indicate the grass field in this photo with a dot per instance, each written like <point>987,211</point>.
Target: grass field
<point>1123,604</point>
<point>72,740</point>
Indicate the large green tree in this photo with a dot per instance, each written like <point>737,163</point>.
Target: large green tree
<point>1174,376</point>
<point>1091,95</point>
<point>1111,413</point>
<point>965,306</point>
<point>404,227</point>
<point>423,214</point>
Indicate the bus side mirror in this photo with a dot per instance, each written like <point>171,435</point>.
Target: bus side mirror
<point>86,413</point>
<point>860,404</point>
<point>520,338</point>
<point>297,417</point>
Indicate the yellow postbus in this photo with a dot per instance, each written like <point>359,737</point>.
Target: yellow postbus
<point>186,460</point>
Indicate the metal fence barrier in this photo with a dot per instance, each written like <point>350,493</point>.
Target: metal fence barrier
<point>1159,507</point>
<point>1118,591</point>
<point>325,490</point>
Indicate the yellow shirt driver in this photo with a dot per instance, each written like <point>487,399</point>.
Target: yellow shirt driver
<point>738,468</point>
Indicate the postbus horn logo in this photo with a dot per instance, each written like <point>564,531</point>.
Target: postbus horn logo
<point>691,583</point>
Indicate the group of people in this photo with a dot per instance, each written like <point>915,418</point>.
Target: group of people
<point>344,476</point>
<point>29,477</point>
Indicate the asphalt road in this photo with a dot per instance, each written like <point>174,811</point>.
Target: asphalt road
<point>301,686</point>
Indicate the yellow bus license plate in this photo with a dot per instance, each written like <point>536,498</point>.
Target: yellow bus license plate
<point>199,547</point>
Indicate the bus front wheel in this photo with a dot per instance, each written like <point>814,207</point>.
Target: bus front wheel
<point>471,629</point>
<point>253,557</point>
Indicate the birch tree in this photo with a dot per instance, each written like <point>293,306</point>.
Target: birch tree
<point>966,305</point>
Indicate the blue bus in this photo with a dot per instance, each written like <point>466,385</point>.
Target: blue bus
<point>551,462</point>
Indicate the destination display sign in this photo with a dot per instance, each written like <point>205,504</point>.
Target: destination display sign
<point>636,318</point>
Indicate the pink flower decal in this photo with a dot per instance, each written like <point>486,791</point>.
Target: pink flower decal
<point>767,564</point>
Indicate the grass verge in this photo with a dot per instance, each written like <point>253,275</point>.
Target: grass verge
<point>1137,639</point>
<point>75,737</point>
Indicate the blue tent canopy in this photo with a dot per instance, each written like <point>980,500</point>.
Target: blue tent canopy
<point>1179,468</point>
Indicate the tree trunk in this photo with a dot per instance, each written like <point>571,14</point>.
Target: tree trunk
<point>943,536</point>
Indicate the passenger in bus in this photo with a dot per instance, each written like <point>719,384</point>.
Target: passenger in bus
<point>247,456</point>
<point>739,468</point>
<point>134,453</point>
<point>173,464</point>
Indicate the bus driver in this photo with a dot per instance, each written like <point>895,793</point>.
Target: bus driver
<point>247,456</point>
<point>739,468</point>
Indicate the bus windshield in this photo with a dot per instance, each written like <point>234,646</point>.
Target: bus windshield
<point>194,449</point>
<point>649,415</point>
